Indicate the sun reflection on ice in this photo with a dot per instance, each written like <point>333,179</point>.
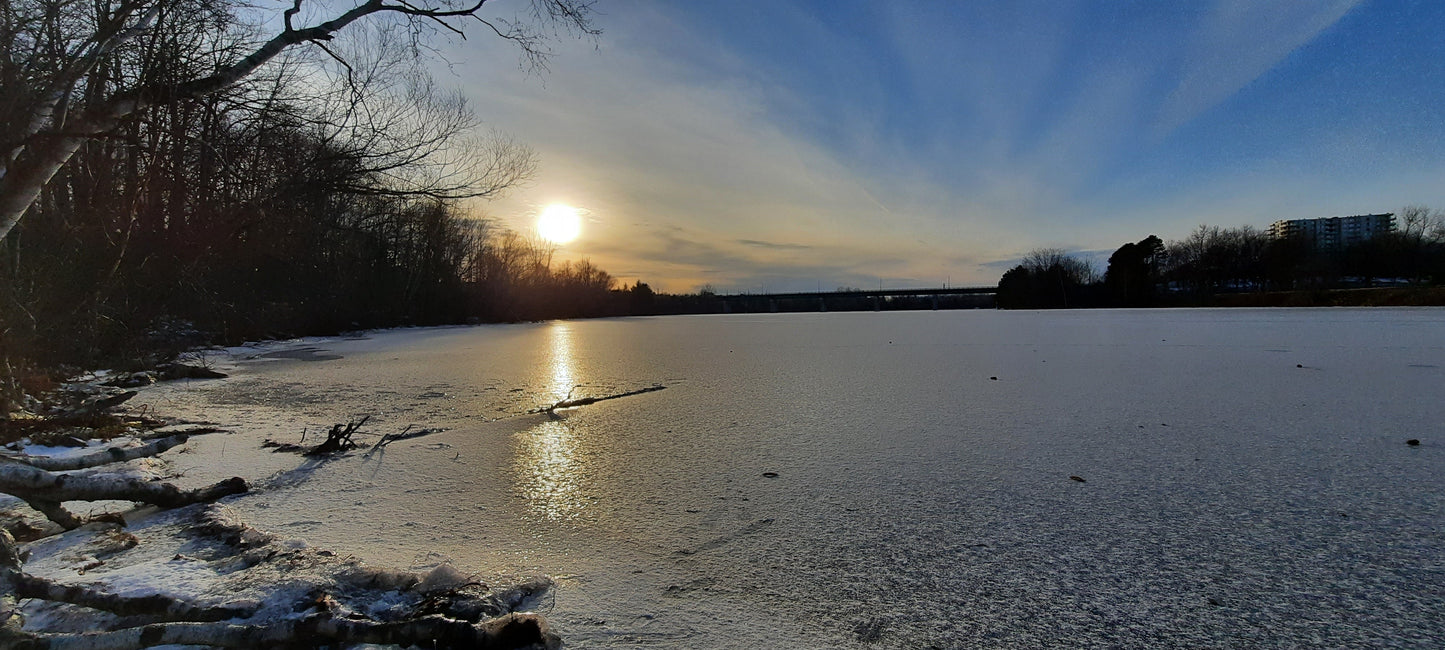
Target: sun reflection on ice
<point>563,372</point>
<point>550,471</point>
<point>547,462</point>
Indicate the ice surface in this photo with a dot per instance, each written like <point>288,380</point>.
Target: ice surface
<point>827,480</point>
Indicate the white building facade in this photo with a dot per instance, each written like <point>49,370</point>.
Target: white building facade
<point>1334,232</point>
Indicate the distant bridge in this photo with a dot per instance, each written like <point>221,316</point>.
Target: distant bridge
<point>862,300</point>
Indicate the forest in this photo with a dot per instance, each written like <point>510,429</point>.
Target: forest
<point>1234,266</point>
<point>333,189</point>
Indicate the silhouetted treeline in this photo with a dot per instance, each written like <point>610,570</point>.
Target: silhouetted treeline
<point>1048,279</point>
<point>708,302</point>
<point>318,264</point>
<point>287,205</point>
<point>1212,261</point>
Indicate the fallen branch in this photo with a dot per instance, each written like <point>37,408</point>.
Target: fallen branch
<point>279,447</point>
<point>58,429</point>
<point>449,611</point>
<point>404,434</point>
<point>102,457</point>
<point>338,438</point>
<point>510,631</point>
<point>584,401</point>
<point>21,480</point>
<point>193,431</point>
<point>157,607</point>
<point>98,406</point>
<point>45,491</point>
<point>189,624</point>
<point>173,371</point>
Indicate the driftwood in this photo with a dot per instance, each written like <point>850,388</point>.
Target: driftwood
<point>158,607</point>
<point>15,584</point>
<point>102,457</point>
<point>183,623</point>
<point>33,479</point>
<point>404,434</point>
<point>100,405</point>
<point>584,401</point>
<point>84,410</point>
<point>187,371</point>
<point>45,491</point>
<point>338,438</point>
<point>510,631</point>
<point>449,619</point>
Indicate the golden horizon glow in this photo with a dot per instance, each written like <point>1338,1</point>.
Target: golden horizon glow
<point>559,223</point>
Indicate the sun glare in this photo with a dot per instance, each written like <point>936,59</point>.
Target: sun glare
<point>559,223</point>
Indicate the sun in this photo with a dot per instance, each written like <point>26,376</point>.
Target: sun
<point>559,223</point>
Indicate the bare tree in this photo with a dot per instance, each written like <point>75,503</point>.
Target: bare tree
<point>1070,268</point>
<point>1418,223</point>
<point>398,132</point>
<point>1212,258</point>
<point>71,71</point>
<point>1044,278</point>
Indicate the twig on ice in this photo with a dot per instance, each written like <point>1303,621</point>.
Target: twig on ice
<point>584,401</point>
<point>404,434</point>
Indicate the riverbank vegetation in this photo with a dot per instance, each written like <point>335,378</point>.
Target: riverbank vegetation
<point>1243,266</point>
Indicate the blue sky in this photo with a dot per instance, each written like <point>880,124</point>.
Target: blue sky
<point>774,145</point>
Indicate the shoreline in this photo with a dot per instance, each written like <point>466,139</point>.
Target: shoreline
<point>176,551</point>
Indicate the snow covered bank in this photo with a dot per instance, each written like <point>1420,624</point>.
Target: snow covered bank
<point>263,588</point>
<point>198,575</point>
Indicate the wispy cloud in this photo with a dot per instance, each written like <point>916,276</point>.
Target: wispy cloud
<point>867,141</point>
<point>774,245</point>
<point>1239,41</point>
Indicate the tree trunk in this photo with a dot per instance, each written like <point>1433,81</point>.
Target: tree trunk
<point>510,631</point>
<point>105,456</point>
<point>157,606</point>
<point>51,145</point>
<point>46,490</point>
<point>190,626</point>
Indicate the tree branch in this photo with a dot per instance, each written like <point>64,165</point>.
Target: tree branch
<point>28,168</point>
<point>102,457</point>
<point>42,488</point>
<point>510,631</point>
<point>158,607</point>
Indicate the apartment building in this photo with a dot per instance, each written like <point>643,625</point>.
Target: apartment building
<point>1334,232</point>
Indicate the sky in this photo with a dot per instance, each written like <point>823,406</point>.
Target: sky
<point>776,145</point>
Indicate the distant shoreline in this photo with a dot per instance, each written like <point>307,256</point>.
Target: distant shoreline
<point>1355,297</point>
<point>1370,297</point>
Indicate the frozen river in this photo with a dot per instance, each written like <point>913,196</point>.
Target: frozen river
<point>885,479</point>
